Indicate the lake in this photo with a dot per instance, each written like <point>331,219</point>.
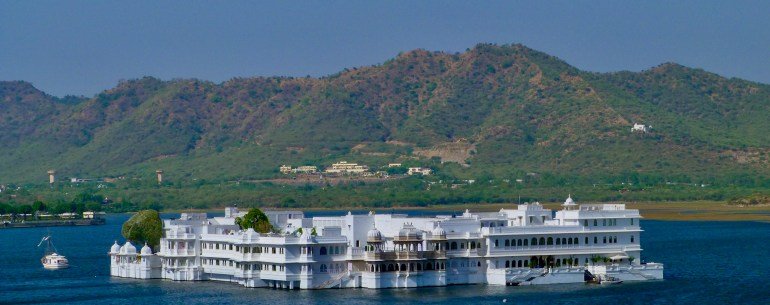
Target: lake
<point>706,263</point>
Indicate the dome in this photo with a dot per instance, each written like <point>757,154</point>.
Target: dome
<point>409,232</point>
<point>128,248</point>
<point>569,200</point>
<point>146,250</point>
<point>439,232</point>
<point>374,235</point>
<point>115,248</point>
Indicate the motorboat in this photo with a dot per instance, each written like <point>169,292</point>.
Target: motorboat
<point>51,259</point>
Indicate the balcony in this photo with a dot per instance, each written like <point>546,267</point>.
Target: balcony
<point>535,229</point>
<point>177,252</point>
<point>561,250</point>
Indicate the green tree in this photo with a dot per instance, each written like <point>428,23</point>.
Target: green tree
<point>256,220</point>
<point>25,209</point>
<point>38,206</point>
<point>93,206</point>
<point>144,227</point>
<point>6,208</point>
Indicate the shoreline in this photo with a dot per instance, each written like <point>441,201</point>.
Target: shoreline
<point>674,210</point>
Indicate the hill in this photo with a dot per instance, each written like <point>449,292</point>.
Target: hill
<point>492,111</point>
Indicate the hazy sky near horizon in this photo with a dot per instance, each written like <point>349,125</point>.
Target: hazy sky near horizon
<point>84,47</point>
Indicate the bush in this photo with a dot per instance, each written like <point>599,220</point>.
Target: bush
<point>255,219</point>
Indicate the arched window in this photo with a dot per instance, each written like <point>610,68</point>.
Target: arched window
<point>496,243</point>
<point>596,240</point>
<point>576,241</point>
<point>419,267</point>
<point>569,241</point>
<point>391,267</point>
<point>518,242</point>
<point>403,267</point>
<point>507,264</point>
<point>443,266</point>
<point>563,241</point>
<point>534,241</point>
<point>595,223</point>
<point>322,251</point>
<point>507,243</point>
<point>550,241</point>
<point>526,241</point>
<point>542,241</point>
<point>526,263</point>
<point>558,241</point>
<point>632,238</point>
<point>323,268</point>
<point>519,263</point>
<point>372,268</point>
<point>454,246</point>
<point>478,264</point>
<point>473,245</point>
<point>411,266</point>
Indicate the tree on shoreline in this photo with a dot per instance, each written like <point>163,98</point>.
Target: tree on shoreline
<point>144,226</point>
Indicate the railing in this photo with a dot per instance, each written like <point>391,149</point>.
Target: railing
<point>355,253</point>
<point>333,281</point>
<point>620,248</point>
<point>178,252</point>
<point>537,229</point>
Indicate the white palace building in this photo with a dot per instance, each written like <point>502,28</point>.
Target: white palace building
<point>522,246</point>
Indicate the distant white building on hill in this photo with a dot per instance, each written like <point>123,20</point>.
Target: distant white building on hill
<point>419,171</point>
<point>343,167</point>
<point>305,169</point>
<point>641,128</point>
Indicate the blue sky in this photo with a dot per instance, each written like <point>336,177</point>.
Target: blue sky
<point>84,47</point>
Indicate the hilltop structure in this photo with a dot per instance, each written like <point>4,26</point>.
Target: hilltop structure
<point>419,171</point>
<point>305,169</point>
<point>641,128</point>
<point>343,167</point>
<point>522,246</point>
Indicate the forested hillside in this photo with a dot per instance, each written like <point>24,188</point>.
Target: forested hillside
<point>493,111</point>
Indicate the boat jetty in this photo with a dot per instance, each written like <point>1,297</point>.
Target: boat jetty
<point>87,218</point>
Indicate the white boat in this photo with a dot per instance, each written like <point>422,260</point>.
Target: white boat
<point>52,260</point>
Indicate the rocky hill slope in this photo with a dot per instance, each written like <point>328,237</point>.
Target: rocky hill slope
<point>494,110</point>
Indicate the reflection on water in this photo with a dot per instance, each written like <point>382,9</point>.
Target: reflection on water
<point>706,263</point>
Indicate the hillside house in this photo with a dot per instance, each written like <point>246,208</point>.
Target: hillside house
<point>641,128</point>
<point>419,171</point>
<point>343,167</point>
